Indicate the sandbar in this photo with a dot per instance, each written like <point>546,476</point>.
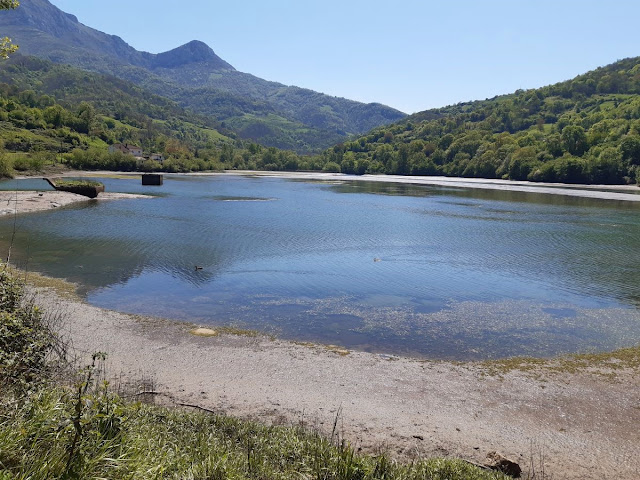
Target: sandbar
<point>19,202</point>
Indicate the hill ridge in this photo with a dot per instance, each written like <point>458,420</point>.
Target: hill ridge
<point>583,130</point>
<point>261,110</point>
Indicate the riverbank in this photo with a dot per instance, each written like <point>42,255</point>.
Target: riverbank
<point>580,421</point>
<point>629,193</point>
<point>604,192</point>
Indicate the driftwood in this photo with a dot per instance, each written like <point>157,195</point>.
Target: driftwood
<point>498,464</point>
<point>197,407</point>
<point>147,393</point>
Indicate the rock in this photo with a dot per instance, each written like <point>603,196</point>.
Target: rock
<point>502,464</point>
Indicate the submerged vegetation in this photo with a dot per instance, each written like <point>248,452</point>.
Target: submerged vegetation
<point>80,427</point>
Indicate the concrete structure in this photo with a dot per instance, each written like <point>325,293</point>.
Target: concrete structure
<point>126,148</point>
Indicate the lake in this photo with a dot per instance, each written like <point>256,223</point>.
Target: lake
<point>434,272</point>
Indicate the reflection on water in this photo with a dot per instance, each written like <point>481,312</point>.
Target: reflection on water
<point>432,271</point>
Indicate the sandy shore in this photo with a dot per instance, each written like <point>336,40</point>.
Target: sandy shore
<point>629,193</point>
<point>19,202</point>
<point>583,423</point>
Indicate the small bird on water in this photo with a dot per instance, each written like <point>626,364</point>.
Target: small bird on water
<point>198,267</point>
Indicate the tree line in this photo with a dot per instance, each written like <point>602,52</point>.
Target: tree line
<point>586,130</point>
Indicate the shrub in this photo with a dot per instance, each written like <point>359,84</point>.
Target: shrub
<point>25,339</point>
<point>6,168</point>
<point>331,167</point>
<point>21,164</point>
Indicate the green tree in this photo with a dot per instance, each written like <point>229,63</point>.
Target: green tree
<point>6,47</point>
<point>630,147</point>
<point>574,139</point>
<point>87,117</point>
<point>348,164</point>
<point>54,116</point>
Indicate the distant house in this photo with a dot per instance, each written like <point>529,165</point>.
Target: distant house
<point>157,157</point>
<point>126,148</point>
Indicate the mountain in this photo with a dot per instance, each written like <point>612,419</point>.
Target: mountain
<point>584,130</point>
<point>53,114</point>
<point>48,107</point>
<point>193,75</point>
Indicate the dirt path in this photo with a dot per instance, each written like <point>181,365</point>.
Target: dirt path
<point>584,425</point>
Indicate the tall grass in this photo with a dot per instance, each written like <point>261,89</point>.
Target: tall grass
<point>122,440</point>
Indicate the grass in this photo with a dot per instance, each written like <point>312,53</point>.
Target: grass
<point>77,183</point>
<point>120,440</point>
<point>117,176</point>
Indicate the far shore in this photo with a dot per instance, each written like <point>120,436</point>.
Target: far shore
<point>628,193</point>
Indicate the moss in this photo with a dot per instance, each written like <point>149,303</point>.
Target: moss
<point>210,332</point>
<point>343,352</point>
<point>60,286</point>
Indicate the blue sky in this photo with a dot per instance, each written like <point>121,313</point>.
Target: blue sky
<point>411,55</point>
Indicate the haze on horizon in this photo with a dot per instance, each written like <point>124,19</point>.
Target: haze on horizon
<point>412,57</point>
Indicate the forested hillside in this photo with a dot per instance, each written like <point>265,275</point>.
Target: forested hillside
<point>193,75</point>
<point>140,117</point>
<point>53,112</point>
<point>586,130</point>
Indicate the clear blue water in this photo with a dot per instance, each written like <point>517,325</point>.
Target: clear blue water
<point>414,270</point>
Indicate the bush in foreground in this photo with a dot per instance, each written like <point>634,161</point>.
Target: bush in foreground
<point>25,337</point>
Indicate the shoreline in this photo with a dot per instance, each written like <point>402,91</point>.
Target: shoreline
<point>583,420</point>
<point>629,193</point>
<point>16,202</point>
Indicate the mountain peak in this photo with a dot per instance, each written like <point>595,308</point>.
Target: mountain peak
<point>27,23</point>
<point>193,52</point>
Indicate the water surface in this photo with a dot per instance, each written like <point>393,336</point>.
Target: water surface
<point>417,270</point>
